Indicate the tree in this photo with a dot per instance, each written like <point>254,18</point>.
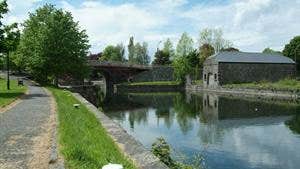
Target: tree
<point>141,54</point>
<point>161,57</point>
<point>113,53</point>
<point>11,41</point>
<point>270,51</point>
<point>182,68</point>
<point>292,50</point>
<point>214,37</point>
<point>206,50</point>
<point>131,50</point>
<point>230,49</point>
<point>184,46</point>
<point>168,49</point>
<point>53,46</point>
<point>3,10</point>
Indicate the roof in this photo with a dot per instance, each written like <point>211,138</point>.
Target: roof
<point>245,57</point>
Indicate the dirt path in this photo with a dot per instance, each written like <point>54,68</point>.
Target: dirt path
<point>25,131</point>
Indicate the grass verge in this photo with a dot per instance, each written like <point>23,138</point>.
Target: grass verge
<point>84,142</point>
<point>155,83</point>
<point>286,84</point>
<point>8,96</point>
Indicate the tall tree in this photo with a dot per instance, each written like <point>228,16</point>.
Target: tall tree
<point>184,46</point>
<point>3,10</point>
<point>270,51</point>
<point>11,41</point>
<point>292,50</point>
<point>131,50</point>
<point>113,53</point>
<point>53,45</point>
<point>214,37</point>
<point>161,58</point>
<point>168,49</point>
<point>141,53</point>
<point>205,51</point>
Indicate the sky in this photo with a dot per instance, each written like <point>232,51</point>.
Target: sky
<point>251,25</point>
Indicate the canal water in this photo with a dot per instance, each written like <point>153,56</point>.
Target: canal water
<point>218,132</point>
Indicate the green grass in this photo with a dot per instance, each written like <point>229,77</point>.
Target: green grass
<point>155,83</point>
<point>8,96</point>
<point>286,84</point>
<point>84,143</point>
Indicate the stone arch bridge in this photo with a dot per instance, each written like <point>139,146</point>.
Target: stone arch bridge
<point>115,72</point>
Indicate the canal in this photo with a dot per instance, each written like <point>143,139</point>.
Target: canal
<point>218,132</point>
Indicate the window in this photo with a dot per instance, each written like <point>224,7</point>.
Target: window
<point>205,77</point>
<point>216,77</point>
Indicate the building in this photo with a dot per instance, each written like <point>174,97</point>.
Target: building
<point>241,67</point>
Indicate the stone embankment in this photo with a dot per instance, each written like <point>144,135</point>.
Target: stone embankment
<point>247,92</point>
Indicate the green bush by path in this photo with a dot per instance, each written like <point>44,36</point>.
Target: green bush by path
<point>84,142</point>
<point>286,84</point>
<point>8,96</point>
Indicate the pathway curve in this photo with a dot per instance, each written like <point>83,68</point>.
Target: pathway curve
<point>24,131</point>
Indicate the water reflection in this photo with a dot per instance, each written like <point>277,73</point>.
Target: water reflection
<point>228,132</point>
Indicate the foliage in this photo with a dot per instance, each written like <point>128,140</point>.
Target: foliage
<point>285,84</point>
<point>3,10</point>
<point>131,50</point>
<point>206,50</point>
<point>161,57</point>
<point>184,46</point>
<point>214,37</point>
<point>141,54</point>
<point>52,45</point>
<point>193,58</point>
<point>270,51</point>
<point>138,53</point>
<point>230,49</point>
<point>10,95</point>
<point>182,68</point>
<point>113,53</point>
<point>292,50</point>
<point>162,150</point>
<point>84,142</point>
<point>168,48</point>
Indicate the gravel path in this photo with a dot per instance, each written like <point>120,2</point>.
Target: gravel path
<point>22,127</point>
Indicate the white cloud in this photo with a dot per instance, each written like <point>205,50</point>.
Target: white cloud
<point>252,25</point>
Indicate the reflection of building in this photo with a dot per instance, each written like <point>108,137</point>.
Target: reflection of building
<point>210,107</point>
<point>240,67</point>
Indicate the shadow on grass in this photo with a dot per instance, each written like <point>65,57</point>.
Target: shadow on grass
<point>10,95</point>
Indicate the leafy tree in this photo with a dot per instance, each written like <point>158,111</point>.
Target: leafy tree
<point>184,46</point>
<point>168,49</point>
<point>161,57</point>
<point>52,45</point>
<point>270,51</point>
<point>206,50</point>
<point>214,37</point>
<point>113,53</point>
<point>182,68</point>
<point>230,49</point>
<point>131,50</point>
<point>3,10</point>
<point>292,50</point>
<point>141,54</point>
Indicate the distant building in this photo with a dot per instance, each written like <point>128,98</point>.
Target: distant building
<point>240,67</point>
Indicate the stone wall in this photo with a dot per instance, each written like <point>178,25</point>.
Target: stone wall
<point>253,72</point>
<point>210,74</point>
<point>149,88</point>
<point>158,73</point>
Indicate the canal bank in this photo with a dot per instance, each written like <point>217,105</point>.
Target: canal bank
<point>247,92</point>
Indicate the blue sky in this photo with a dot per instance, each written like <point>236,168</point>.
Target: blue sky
<point>251,25</point>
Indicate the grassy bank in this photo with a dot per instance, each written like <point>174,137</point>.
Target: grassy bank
<point>8,96</point>
<point>84,142</point>
<point>155,83</point>
<point>287,84</point>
